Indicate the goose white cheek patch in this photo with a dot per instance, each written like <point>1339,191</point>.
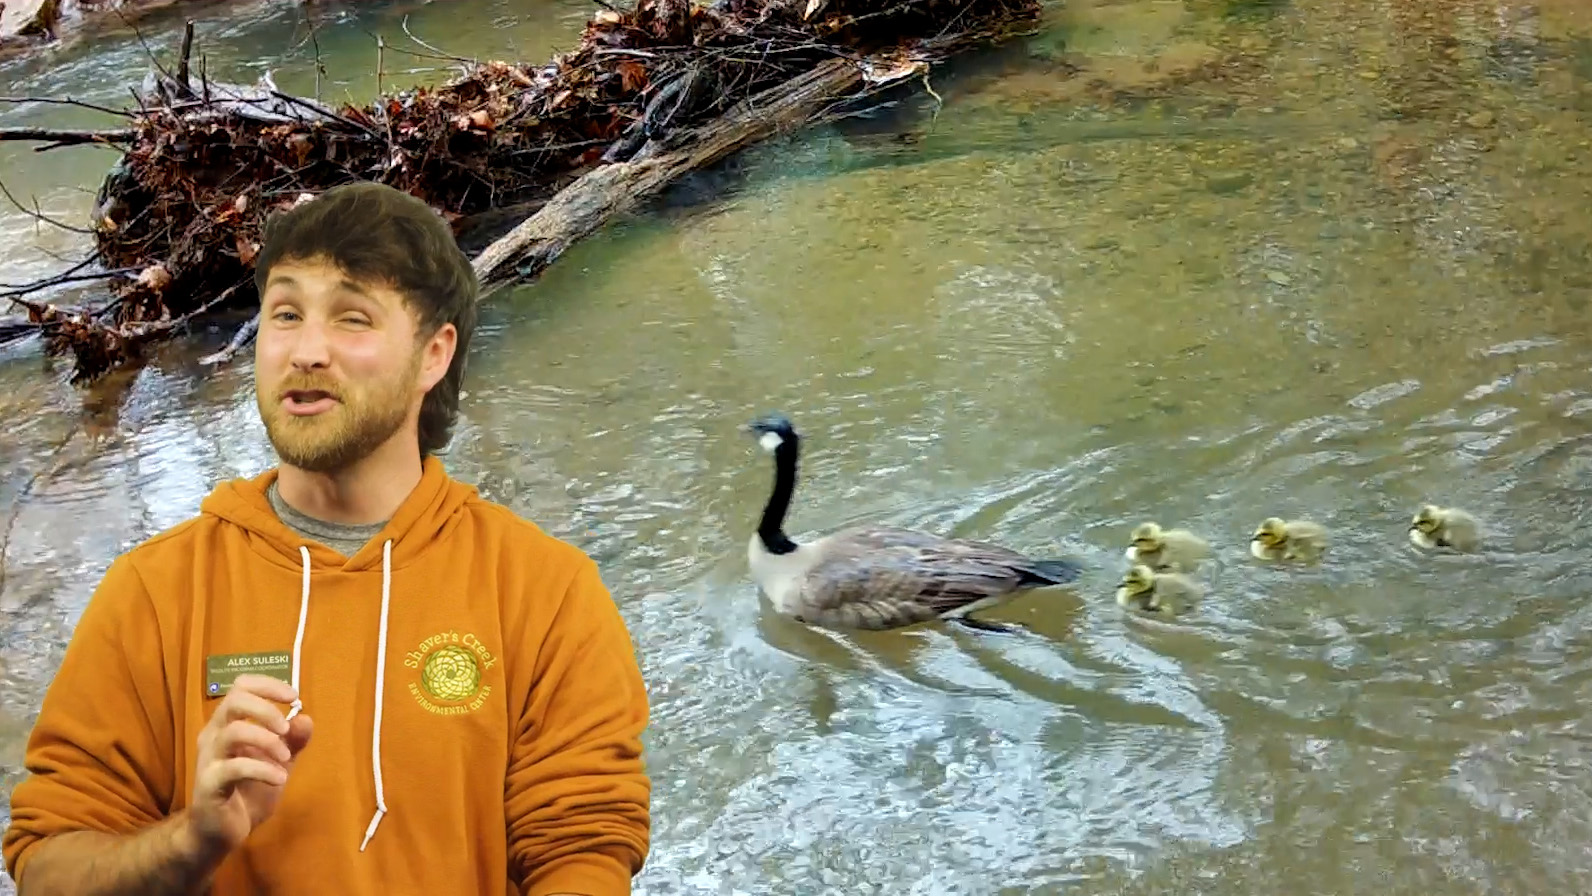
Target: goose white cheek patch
<point>770,441</point>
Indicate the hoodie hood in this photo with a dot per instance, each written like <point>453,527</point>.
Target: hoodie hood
<point>432,508</point>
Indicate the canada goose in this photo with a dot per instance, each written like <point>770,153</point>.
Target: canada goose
<point>1444,527</point>
<point>1167,593</point>
<point>1275,539</point>
<point>1176,550</point>
<point>879,577</point>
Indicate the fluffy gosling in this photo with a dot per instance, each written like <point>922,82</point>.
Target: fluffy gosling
<point>1163,593</point>
<point>1166,550</point>
<point>1435,527</point>
<point>1290,540</point>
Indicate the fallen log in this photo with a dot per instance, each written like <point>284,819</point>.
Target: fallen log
<point>584,206</point>
<point>650,94</point>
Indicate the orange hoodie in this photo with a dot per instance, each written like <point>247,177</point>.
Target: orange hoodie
<point>477,702</point>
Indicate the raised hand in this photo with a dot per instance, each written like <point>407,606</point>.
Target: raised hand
<point>246,753</point>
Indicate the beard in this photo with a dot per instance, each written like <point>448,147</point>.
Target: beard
<point>359,423</point>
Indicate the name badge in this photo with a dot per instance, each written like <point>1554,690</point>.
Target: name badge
<point>223,669</point>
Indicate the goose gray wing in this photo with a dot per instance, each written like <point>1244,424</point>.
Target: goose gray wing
<point>883,578</point>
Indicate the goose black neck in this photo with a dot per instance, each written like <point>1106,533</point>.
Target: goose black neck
<point>771,529</point>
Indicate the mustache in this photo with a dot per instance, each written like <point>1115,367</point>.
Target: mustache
<point>306,384</point>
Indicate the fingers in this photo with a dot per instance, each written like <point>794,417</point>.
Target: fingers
<point>243,705</point>
<point>250,716</point>
<point>249,725</point>
<point>222,777</point>
<point>253,752</point>
<point>263,686</point>
<point>237,736</point>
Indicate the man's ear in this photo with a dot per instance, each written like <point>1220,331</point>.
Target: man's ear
<point>436,355</point>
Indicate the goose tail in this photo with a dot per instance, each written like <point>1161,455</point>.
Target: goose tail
<point>1051,572</point>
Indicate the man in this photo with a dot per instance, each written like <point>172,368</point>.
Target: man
<point>476,702</point>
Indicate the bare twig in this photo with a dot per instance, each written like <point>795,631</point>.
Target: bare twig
<point>381,102</point>
<point>40,215</point>
<point>939,103</point>
<point>153,59</point>
<point>61,137</point>
<point>67,101</point>
<point>441,54</point>
<point>46,147</point>
<point>315,44</point>
<point>81,263</point>
<point>144,330</point>
<point>317,108</point>
<point>621,51</point>
<point>12,331</point>
<point>12,290</point>
<point>182,60</point>
<point>419,55</point>
<point>33,308</point>
<point>320,67</point>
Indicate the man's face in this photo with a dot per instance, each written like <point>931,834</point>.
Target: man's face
<point>338,366</point>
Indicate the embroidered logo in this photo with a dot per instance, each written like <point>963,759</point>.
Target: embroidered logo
<point>451,666</point>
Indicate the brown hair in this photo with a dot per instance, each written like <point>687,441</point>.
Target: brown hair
<point>380,234</point>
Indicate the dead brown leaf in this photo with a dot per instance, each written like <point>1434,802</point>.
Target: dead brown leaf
<point>632,76</point>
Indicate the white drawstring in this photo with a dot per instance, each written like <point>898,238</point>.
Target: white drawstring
<point>381,685</point>
<point>298,637</point>
<point>381,672</point>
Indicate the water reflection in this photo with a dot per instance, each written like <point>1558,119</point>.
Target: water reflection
<point>1314,280</point>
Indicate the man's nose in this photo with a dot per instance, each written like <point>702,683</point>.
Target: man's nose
<point>310,349</point>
